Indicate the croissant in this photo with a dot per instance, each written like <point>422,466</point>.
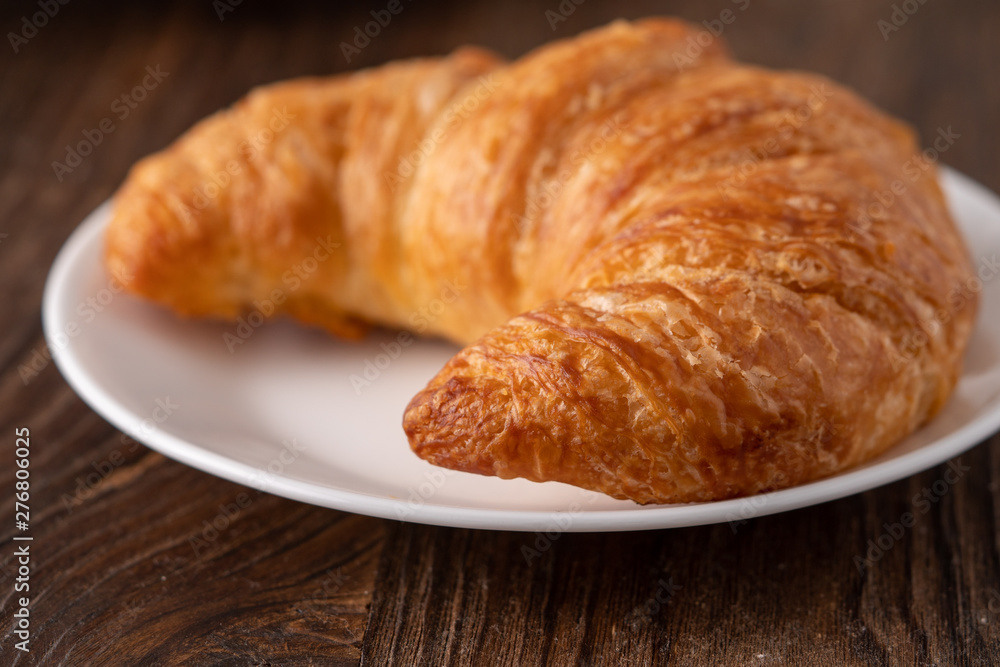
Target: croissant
<point>678,278</point>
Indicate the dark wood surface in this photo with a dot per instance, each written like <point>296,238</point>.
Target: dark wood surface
<point>117,573</point>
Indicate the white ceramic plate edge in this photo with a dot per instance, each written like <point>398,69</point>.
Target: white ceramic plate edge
<point>641,518</point>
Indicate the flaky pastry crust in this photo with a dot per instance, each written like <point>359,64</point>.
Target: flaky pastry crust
<point>680,278</point>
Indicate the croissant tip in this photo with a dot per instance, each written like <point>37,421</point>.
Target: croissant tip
<point>448,425</point>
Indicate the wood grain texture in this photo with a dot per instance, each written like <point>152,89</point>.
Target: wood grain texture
<point>117,577</point>
<point>774,590</point>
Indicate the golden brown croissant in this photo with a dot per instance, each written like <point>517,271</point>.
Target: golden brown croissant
<point>683,279</point>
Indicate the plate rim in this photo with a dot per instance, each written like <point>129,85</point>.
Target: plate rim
<point>648,517</point>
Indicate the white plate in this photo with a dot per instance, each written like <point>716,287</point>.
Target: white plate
<point>229,413</point>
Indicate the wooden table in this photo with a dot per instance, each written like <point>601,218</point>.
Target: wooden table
<point>115,578</point>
